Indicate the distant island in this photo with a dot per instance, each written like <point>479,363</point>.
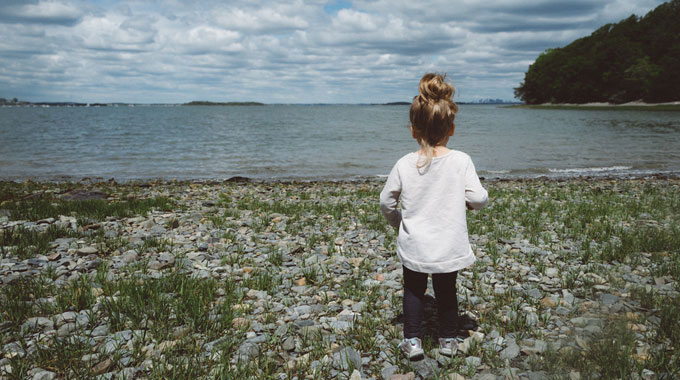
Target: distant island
<point>207,103</point>
<point>635,59</point>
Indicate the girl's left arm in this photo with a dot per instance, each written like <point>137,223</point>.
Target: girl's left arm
<point>476,196</point>
<point>389,198</point>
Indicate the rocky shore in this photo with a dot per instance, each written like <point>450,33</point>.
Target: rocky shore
<point>575,279</point>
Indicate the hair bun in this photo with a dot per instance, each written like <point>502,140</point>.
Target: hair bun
<point>433,87</point>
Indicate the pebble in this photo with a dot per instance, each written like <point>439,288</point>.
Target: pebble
<point>510,352</point>
<point>346,358</point>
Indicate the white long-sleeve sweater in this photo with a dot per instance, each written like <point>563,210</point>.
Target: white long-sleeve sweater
<point>433,236</point>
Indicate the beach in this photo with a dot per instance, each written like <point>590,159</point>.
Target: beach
<point>575,278</point>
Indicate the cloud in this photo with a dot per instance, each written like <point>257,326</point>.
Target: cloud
<point>282,51</point>
<point>43,12</point>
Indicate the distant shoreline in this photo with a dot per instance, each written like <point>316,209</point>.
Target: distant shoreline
<point>208,103</point>
<point>631,106</point>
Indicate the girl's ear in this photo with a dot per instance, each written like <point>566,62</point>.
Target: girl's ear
<point>413,132</point>
<point>453,129</point>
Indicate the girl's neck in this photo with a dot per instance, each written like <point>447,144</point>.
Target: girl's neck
<point>438,150</point>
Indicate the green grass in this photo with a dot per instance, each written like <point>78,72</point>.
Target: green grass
<point>26,243</point>
<point>97,209</point>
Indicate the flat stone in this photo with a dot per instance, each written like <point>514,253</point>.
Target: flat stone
<point>608,299</point>
<point>67,329</point>
<point>102,366</point>
<point>473,361</point>
<point>36,323</point>
<point>510,352</point>
<point>84,251</point>
<point>247,350</point>
<point>44,375</point>
<point>534,293</point>
<point>402,376</point>
<point>389,371</point>
<point>66,317</point>
<point>347,358</point>
<point>425,368</point>
<point>101,330</point>
<point>288,344</point>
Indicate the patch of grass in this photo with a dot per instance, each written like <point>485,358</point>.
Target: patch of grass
<point>156,244</point>
<point>261,279</point>
<point>77,295</point>
<point>175,299</point>
<point>19,300</point>
<point>97,209</point>
<point>62,355</point>
<point>26,243</point>
<point>608,356</point>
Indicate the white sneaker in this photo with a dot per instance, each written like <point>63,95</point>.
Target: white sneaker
<point>413,348</point>
<point>448,346</point>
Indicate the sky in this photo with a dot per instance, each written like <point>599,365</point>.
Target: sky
<point>168,51</point>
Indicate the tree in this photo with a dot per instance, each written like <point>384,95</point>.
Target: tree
<point>637,58</point>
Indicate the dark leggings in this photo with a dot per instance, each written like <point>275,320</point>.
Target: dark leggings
<point>444,285</point>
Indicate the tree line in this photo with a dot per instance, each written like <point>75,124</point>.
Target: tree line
<point>636,58</point>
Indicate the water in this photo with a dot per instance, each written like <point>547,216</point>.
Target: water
<point>323,142</point>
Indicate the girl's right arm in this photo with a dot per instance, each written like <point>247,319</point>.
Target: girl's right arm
<point>389,198</point>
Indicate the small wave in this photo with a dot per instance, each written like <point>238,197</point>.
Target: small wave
<point>494,171</point>
<point>591,170</point>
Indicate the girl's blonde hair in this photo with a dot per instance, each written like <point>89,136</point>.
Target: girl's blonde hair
<point>432,113</point>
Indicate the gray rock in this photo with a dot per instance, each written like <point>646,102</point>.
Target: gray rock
<point>568,297</point>
<point>67,329</point>
<point>347,358</point>
<point>85,251</point>
<point>128,373</point>
<point>288,344</point>
<point>303,309</point>
<point>129,256</point>
<point>37,323</point>
<point>90,358</point>
<point>608,299</point>
<point>535,375</point>
<point>473,361</point>
<point>510,352</point>
<point>340,325</point>
<point>387,372</point>
<point>534,294</point>
<point>44,375</point>
<point>359,307</point>
<point>67,317</point>
<point>123,336</point>
<point>247,350</point>
<point>157,265</point>
<point>425,368</point>
<point>100,330</point>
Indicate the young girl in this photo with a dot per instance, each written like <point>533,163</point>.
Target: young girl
<point>435,186</point>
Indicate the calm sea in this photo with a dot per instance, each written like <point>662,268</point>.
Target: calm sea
<point>323,142</point>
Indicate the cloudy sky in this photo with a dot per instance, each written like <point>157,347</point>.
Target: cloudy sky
<point>169,51</point>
